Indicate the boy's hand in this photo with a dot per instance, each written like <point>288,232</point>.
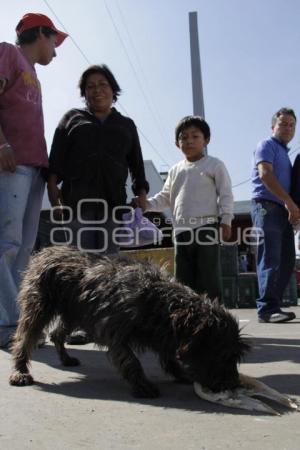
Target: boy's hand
<point>225,232</point>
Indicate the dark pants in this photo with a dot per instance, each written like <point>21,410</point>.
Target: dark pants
<point>95,237</point>
<point>93,233</point>
<point>275,254</point>
<point>197,260</point>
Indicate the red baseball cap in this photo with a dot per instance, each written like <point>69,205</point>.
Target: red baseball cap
<point>32,20</point>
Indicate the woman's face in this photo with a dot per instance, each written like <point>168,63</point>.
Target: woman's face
<point>98,94</point>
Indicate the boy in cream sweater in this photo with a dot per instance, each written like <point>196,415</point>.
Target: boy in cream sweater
<point>198,192</point>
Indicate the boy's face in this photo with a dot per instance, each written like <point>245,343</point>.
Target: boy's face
<point>46,48</point>
<point>192,142</point>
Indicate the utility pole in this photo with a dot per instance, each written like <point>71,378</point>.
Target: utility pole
<point>197,88</point>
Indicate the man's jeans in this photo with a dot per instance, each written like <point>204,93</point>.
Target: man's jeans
<point>21,195</point>
<point>275,254</point>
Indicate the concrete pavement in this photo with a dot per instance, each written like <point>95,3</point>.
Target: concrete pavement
<point>89,407</point>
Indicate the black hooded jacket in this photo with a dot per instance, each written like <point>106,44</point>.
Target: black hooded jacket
<point>92,158</point>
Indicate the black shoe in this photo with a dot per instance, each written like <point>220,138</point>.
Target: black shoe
<point>78,337</point>
<point>277,317</point>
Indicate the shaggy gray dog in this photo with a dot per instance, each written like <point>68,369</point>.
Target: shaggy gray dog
<point>128,306</point>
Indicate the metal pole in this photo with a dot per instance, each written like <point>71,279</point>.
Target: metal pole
<point>198,101</point>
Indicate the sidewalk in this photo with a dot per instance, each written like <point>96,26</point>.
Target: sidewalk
<point>89,407</point>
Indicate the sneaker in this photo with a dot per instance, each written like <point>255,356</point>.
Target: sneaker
<point>277,317</point>
<point>78,337</point>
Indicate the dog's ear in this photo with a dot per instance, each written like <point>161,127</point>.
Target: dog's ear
<point>182,351</point>
<point>179,321</point>
<point>186,327</point>
<point>190,322</point>
<point>216,303</point>
<point>206,323</point>
<point>184,322</point>
<point>187,342</point>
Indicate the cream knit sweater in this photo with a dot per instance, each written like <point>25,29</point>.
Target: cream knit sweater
<point>198,193</point>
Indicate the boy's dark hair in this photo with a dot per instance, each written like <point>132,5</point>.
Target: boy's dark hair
<point>31,35</point>
<point>282,111</point>
<point>105,71</point>
<point>192,121</point>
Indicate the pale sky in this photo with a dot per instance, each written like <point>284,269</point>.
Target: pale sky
<point>249,56</point>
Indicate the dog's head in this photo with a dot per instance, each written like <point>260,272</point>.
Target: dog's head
<point>210,346</point>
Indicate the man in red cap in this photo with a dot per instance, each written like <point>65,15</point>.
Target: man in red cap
<point>23,154</point>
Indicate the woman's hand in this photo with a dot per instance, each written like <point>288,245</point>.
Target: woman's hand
<point>55,198</point>
<point>54,194</point>
<point>140,200</point>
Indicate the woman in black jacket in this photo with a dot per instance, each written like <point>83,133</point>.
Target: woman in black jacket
<point>92,151</point>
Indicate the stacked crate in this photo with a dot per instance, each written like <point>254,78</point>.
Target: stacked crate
<point>239,290</point>
<point>248,290</point>
<point>161,256</point>
<point>290,295</point>
<point>229,271</point>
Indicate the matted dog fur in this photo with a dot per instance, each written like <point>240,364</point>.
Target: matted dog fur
<point>128,306</point>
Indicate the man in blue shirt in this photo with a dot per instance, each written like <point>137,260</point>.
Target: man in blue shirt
<point>273,213</point>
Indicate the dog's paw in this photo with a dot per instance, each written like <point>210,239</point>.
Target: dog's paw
<point>146,390</point>
<point>20,379</point>
<point>70,362</point>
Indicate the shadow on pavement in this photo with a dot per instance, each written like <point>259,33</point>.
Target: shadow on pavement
<point>273,349</point>
<point>97,379</point>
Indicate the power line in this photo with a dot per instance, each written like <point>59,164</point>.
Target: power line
<point>242,182</point>
<point>135,74</point>
<point>295,150</point>
<point>249,179</point>
<point>140,66</point>
<point>65,29</point>
<point>89,62</point>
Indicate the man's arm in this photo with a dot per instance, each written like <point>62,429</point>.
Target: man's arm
<point>268,178</point>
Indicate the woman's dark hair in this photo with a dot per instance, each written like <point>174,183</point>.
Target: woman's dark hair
<point>31,35</point>
<point>192,121</point>
<point>103,70</point>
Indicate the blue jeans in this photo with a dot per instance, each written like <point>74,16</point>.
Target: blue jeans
<point>275,254</point>
<point>21,195</point>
